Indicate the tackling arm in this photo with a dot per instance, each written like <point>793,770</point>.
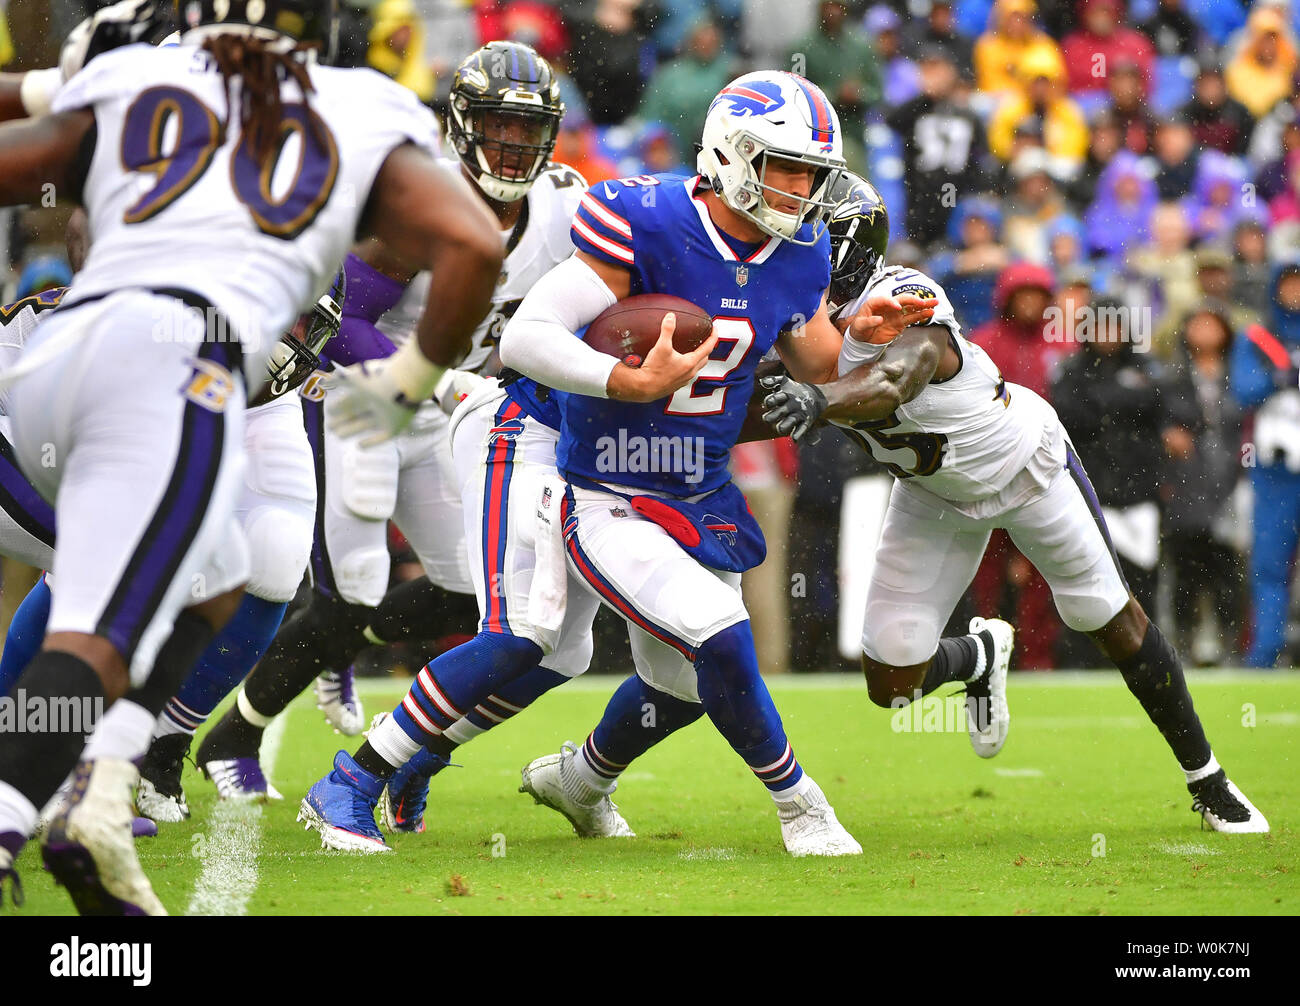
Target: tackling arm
<point>40,152</point>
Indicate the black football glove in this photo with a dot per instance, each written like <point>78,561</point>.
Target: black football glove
<point>793,408</point>
<point>121,24</point>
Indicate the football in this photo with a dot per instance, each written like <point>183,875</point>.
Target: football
<point>630,328</point>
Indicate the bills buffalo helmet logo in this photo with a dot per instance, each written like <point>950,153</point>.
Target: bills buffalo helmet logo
<point>724,529</point>
<point>755,98</point>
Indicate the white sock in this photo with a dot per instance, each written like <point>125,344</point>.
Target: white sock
<point>804,784</point>
<point>178,718</point>
<point>1204,772</point>
<point>247,711</point>
<point>981,661</point>
<point>17,813</point>
<point>462,731</point>
<point>123,732</point>
<point>585,784</point>
<point>391,743</point>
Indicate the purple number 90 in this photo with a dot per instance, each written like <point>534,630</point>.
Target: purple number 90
<point>198,135</point>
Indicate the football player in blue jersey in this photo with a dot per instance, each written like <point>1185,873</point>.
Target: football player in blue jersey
<point>651,523</point>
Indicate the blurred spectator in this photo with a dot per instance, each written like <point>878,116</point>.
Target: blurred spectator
<point>1102,42</point>
<point>1216,278</point>
<point>658,152</point>
<point>1012,38</point>
<point>900,79</point>
<point>1202,473</point>
<point>577,146</point>
<point>1167,265</point>
<point>940,27</point>
<point>1119,216</point>
<point>1218,120</point>
<point>1252,270</point>
<point>532,22</point>
<point>1128,104</point>
<point>1264,378</point>
<point>1066,244</point>
<point>943,143</point>
<point>969,271</point>
<point>353,33</point>
<point>1176,156</point>
<point>1261,74</point>
<point>1284,208</point>
<point>1017,339</point>
<point>1105,140</point>
<point>1035,202</point>
<point>1172,30</point>
<point>766,471</point>
<point>680,91</point>
<point>1275,174</point>
<point>1065,133</point>
<point>838,57</point>
<point>1110,399</point>
<point>1219,197</point>
<point>397,46</point>
<point>44,272</point>
<point>768,29</point>
<point>607,57</point>
<point>1074,290</point>
<point>451,32</point>
<point>1268,141</point>
<point>677,19</point>
<point>1219,18</point>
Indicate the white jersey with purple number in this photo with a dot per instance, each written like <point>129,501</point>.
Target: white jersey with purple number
<point>964,437</point>
<point>176,199</point>
<point>535,245</point>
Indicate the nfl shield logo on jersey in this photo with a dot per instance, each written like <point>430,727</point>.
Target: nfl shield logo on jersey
<point>742,275</point>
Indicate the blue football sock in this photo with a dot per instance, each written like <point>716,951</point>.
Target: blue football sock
<point>453,684</point>
<point>224,664</point>
<point>740,706</point>
<point>26,632</point>
<point>636,719</point>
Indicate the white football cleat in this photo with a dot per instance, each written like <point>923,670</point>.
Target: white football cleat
<point>160,807</point>
<point>240,779</point>
<point>89,847</point>
<point>337,698</point>
<point>1225,808</point>
<point>553,782</point>
<point>987,716</point>
<point>809,826</point>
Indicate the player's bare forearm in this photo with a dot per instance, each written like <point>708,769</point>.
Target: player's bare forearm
<point>876,390</point>
<point>379,257</point>
<point>11,102</point>
<point>811,351</point>
<point>428,216</point>
<point>38,153</point>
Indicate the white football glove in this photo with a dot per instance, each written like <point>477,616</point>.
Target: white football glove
<point>454,387</point>
<point>377,399</point>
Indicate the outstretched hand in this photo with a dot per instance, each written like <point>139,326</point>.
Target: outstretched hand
<point>883,319</point>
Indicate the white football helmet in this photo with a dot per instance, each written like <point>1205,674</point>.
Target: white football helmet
<point>771,112</point>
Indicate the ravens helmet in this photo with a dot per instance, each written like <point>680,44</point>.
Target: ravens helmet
<point>859,231</point>
<point>297,354</point>
<point>300,20</point>
<point>504,118</point>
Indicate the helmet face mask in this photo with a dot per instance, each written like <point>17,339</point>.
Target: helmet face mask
<point>297,354</point>
<point>504,118</point>
<point>859,231</point>
<point>772,116</point>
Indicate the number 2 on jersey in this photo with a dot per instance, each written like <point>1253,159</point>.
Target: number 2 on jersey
<point>686,401</point>
<point>198,134</point>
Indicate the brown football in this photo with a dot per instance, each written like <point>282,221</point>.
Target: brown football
<point>630,328</point>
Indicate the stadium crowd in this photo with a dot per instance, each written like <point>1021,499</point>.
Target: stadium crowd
<point>1109,193</point>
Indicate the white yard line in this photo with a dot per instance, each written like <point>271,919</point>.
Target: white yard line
<point>231,845</point>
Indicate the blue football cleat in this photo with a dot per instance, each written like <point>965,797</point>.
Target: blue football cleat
<point>401,806</point>
<point>341,807</point>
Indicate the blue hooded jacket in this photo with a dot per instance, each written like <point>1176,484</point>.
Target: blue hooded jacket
<point>1254,376</point>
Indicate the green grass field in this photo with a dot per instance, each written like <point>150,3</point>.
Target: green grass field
<point>1083,812</point>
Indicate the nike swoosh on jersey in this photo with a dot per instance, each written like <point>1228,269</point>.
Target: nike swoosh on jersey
<point>608,193</point>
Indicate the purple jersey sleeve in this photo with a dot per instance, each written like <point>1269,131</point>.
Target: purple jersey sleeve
<point>369,294</point>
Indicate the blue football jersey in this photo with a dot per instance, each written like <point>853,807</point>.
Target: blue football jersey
<point>658,227</point>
